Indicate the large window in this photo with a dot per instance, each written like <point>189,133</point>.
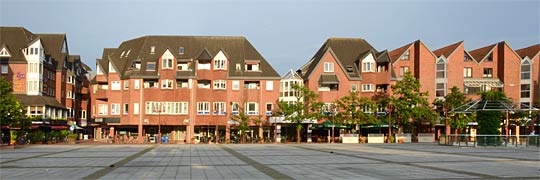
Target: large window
<point>167,84</point>
<point>328,67</point>
<point>525,91</point>
<point>368,67</point>
<point>235,85</point>
<point>115,109</point>
<point>440,89</point>
<point>151,84</point>
<point>219,108</point>
<point>467,72</point>
<point>220,84</point>
<point>136,85</point>
<point>488,72</point>
<point>367,88</point>
<point>203,108</point>
<point>403,70</point>
<point>166,107</point>
<point>252,108</point>
<point>183,66</point>
<point>252,66</point>
<point>235,107</point>
<point>220,64</point>
<point>167,64</point>
<point>406,56</point>
<point>103,109</point>
<point>526,70</point>
<point>203,84</point>
<point>251,84</point>
<point>441,69</point>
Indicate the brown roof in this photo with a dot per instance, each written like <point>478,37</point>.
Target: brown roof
<point>237,49</point>
<point>38,101</point>
<point>348,52</point>
<point>397,53</point>
<point>481,53</point>
<point>530,51</point>
<point>16,39</point>
<point>53,44</point>
<point>447,50</point>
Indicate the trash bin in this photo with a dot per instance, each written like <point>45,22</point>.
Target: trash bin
<point>165,139</point>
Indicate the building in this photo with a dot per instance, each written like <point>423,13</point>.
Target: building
<point>187,88</point>
<point>46,78</point>
<point>530,67</point>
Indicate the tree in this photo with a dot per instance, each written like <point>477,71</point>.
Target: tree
<point>305,108</point>
<point>452,100</point>
<point>408,103</point>
<point>243,122</point>
<point>11,111</point>
<point>489,120</point>
<point>352,109</point>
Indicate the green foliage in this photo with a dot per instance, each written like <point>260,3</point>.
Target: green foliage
<point>409,103</point>
<point>72,136</point>
<point>489,122</point>
<point>451,101</point>
<point>351,109</point>
<point>243,122</point>
<point>11,111</point>
<point>493,95</point>
<point>305,108</point>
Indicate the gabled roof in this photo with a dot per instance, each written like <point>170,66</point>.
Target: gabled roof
<point>27,100</point>
<point>383,57</point>
<point>347,51</point>
<point>53,43</point>
<point>397,53</point>
<point>291,75</point>
<point>16,39</point>
<point>238,49</point>
<point>481,53</point>
<point>531,51</point>
<point>447,51</point>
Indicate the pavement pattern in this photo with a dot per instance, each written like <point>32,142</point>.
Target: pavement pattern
<point>268,161</point>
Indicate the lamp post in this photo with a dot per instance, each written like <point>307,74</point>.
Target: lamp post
<point>159,124</point>
<point>389,123</point>
<point>332,113</point>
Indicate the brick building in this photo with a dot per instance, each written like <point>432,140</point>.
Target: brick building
<point>46,78</point>
<point>185,87</point>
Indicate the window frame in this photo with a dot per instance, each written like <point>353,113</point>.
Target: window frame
<point>203,108</point>
<point>220,84</point>
<point>328,67</point>
<point>467,72</point>
<point>167,63</point>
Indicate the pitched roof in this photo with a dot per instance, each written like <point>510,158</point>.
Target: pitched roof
<point>53,44</point>
<point>481,53</point>
<point>16,39</point>
<point>348,51</point>
<point>530,51</point>
<point>237,49</point>
<point>447,50</point>
<point>383,57</point>
<point>397,53</point>
<point>38,101</point>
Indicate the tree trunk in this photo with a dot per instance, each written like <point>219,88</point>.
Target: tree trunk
<point>298,129</point>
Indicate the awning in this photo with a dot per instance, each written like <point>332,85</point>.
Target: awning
<point>328,124</point>
<point>328,79</point>
<point>479,82</point>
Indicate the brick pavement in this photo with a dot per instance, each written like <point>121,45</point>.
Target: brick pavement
<point>268,161</point>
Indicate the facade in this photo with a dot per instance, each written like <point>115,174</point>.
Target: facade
<point>46,78</point>
<point>187,88</point>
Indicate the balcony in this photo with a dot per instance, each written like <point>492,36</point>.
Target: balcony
<point>101,94</point>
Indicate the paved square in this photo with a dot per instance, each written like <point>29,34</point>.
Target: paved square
<point>269,161</point>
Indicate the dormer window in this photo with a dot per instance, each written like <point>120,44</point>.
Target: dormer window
<point>4,53</point>
<point>238,67</point>
<point>181,50</point>
<point>183,66</point>
<point>128,52</point>
<point>489,57</point>
<point>252,65</point>
<point>152,49</point>
<point>405,56</point>
<point>136,65</point>
<point>349,69</point>
<point>151,66</point>
<point>122,54</point>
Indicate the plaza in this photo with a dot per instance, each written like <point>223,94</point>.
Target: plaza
<point>268,161</point>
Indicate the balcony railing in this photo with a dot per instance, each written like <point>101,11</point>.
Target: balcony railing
<point>101,94</point>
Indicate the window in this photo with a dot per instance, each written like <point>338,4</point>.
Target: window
<point>5,68</point>
<point>183,66</point>
<point>251,84</point>
<point>440,89</point>
<point>252,108</point>
<point>70,94</point>
<point>367,88</point>
<point>70,79</point>
<point>115,109</point>
<point>136,85</point>
<point>151,66</point>
<point>4,53</point>
<point>220,64</point>
<point>269,109</point>
<point>136,65</point>
<point>328,67</point>
<point>181,50</point>
<point>151,84</point>
<point>152,49</point>
<point>135,108</point>
<point>166,84</point>
<point>467,72</point>
<point>488,72</point>
<point>367,67</point>
<point>235,107</point>
<point>203,65</point>
<point>165,107</point>
<point>103,108</point>
<point>466,57</point>
<point>489,57</point>
<point>354,87</point>
<point>167,64</point>
<point>526,70</point>
<point>252,66</point>
<point>238,67</point>
<point>83,114</point>
<point>328,87</point>
<point>220,84</point>
<point>406,56</point>
<point>126,84</point>
<point>403,70</point>
<point>126,108</point>
<point>441,69</point>
<point>269,85</point>
<point>203,84</point>
<point>525,91</point>
<point>203,108</point>
<point>235,85</point>
<point>219,108</point>
<point>115,85</point>
<point>99,71</point>
<point>33,67</point>
<point>182,83</point>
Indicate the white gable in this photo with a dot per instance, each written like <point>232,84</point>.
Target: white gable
<point>111,68</point>
<point>4,52</point>
<point>167,55</point>
<point>220,56</point>
<point>369,58</point>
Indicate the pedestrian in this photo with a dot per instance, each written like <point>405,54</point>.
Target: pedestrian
<point>532,133</point>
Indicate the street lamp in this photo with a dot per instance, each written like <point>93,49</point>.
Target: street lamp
<point>159,123</point>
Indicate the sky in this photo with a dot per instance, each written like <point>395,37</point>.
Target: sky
<point>286,33</point>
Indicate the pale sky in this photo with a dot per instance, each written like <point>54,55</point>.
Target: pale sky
<point>286,33</point>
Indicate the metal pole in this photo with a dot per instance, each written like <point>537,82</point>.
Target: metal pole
<point>333,128</point>
<point>159,124</point>
<point>389,124</point>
